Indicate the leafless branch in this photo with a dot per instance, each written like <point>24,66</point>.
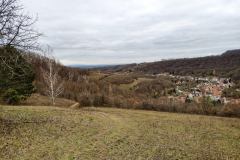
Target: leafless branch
<point>16,28</point>
<point>54,84</point>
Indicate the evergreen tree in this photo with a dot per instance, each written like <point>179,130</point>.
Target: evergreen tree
<point>15,72</point>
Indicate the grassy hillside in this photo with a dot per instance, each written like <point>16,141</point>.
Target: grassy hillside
<point>33,132</point>
<point>39,100</point>
<point>128,86</point>
<point>95,75</point>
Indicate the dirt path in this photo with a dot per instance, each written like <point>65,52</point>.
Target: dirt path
<point>74,106</point>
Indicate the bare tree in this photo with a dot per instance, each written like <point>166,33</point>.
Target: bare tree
<point>16,28</point>
<point>54,84</point>
<point>78,79</point>
<point>17,31</point>
<point>85,78</point>
<point>70,76</point>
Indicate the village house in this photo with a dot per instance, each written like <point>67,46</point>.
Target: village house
<point>181,100</point>
<point>178,83</point>
<point>215,79</point>
<point>190,95</point>
<point>171,98</point>
<point>212,89</point>
<point>227,100</point>
<point>183,96</point>
<point>198,99</point>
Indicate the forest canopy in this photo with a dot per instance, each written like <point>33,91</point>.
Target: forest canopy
<point>225,65</point>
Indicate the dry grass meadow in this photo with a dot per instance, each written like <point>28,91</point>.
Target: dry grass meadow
<point>39,100</point>
<point>128,86</point>
<point>96,75</point>
<point>44,132</point>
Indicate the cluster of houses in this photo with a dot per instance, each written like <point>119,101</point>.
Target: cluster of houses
<point>206,88</point>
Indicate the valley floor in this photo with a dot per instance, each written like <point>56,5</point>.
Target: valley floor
<point>35,132</point>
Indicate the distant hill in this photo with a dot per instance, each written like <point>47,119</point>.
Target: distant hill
<point>92,66</point>
<point>225,65</point>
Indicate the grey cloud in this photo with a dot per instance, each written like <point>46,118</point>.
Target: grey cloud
<point>92,31</point>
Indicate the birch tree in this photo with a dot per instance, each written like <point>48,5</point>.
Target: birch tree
<point>54,83</point>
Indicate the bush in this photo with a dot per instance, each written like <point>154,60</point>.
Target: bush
<point>11,97</point>
<point>230,111</point>
<point>100,101</point>
<point>117,102</point>
<point>147,106</point>
<point>85,101</point>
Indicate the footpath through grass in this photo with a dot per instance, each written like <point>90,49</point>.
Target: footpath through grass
<point>107,133</point>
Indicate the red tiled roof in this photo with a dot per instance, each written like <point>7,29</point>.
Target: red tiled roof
<point>183,95</point>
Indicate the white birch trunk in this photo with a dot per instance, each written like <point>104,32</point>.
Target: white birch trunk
<point>54,84</point>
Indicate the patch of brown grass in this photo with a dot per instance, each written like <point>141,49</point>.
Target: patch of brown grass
<point>39,100</point>
<point>130,86</point>
<point>109,133</point>
<point>95,75</point>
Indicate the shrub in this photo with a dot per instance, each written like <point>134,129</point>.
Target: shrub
<point>11,97</point>
<point>147,106</point>
<point>230,111</point>
<point>100,100</point>
<point>85,101</point>
<point>117,102</point>
<point>128,103</point>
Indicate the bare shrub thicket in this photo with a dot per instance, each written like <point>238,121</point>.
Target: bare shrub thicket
<point>96,93</point>
<point>102,100</point>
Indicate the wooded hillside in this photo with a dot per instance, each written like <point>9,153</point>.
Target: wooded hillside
<point>225,65</point>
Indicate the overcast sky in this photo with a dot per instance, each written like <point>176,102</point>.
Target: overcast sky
<point>134,31</point>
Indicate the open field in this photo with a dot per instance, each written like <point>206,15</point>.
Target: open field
<point>96,75</point>
<point>128,86</point>
<point>35,132</point>
<point>39,100</point>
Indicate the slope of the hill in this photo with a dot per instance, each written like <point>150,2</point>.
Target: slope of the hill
<point>106,133</point>
<point>225,65</point>
<point>118,68</point>
<point>39,100</point>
